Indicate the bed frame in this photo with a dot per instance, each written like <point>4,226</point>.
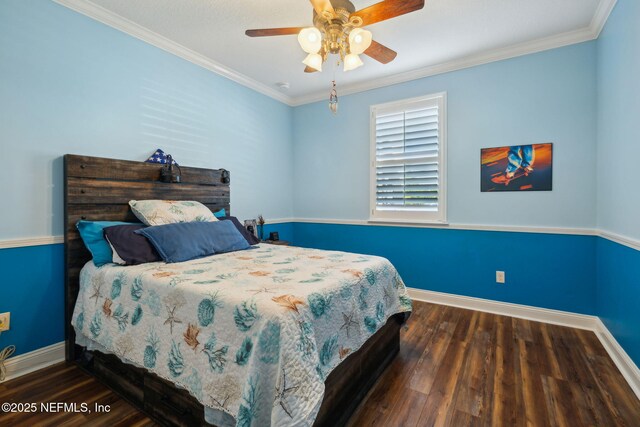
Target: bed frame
<point>99,189</point>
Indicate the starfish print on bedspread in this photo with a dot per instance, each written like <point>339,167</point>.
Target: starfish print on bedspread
<point>172,319</point>
<point>97,292</point>
<point>282,393</point>
<point>349,322</point>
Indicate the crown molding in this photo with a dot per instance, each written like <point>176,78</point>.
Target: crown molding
<point>605,7</point>
<point>118,22</point>
<point>500,54</point>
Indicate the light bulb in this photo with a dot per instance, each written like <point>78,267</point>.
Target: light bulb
<point>359,40</point>
<point>352,61</point>
<point>314,61</point>
<point>310,40</point>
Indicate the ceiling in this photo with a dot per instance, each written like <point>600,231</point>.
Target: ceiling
<point>445,35</point>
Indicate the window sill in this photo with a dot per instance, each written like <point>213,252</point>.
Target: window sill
<point>408,222</point>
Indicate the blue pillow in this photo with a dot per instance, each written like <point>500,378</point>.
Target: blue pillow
<point>189,240</point>
<point>221,213</point>
<point>93,237</point>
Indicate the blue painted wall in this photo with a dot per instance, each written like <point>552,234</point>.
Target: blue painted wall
<point>542,270</point>
<point>544,97</point>
<point>69,84</point>
<point>31,289</point>
<point>618,296</point>
<point>285,231</point>
<point>618,113</point>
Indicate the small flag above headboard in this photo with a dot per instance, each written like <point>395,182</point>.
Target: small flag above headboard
<point>159,157</point>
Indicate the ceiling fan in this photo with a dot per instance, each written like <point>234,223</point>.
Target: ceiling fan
<point>337,29</point>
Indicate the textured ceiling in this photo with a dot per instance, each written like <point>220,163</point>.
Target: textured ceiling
<point>445,30</point>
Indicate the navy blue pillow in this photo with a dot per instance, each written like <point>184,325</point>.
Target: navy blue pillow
<point>251,238</point>
<point>130,247</point>
<point>92,234</point>
<point>190,240</point>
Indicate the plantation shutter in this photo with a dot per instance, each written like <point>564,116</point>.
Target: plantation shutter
<point>407,158</point>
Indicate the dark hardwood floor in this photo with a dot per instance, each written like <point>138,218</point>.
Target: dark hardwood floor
<point>466,368</point>
<point>456,368</point>
<point>65,382</point>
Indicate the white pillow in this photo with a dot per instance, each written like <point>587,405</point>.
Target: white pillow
<point>161,212</point>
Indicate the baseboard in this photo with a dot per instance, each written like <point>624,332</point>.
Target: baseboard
<point>545,315</point>
<point>34,360</point>
<point>627,367</point>
<point>620,357</point>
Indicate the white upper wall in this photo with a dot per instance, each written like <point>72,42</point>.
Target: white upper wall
<point>106,94</point>
<point>69,84</point>
<point>545,97</point>
<point>618,127</point>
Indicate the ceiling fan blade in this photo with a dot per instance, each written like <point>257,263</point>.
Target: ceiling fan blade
<point>308,69</point>
<point>387,9</point>
<point>267,32</point>
<point>380,52</point>
<point>323,6</point>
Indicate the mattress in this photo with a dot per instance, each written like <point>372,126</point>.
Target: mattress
<point>252,334</point>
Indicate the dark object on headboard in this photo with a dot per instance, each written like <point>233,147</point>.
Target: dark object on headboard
<point>169,172</point>
<point>274,236</point>
<point>98,189</point>
<point>226,176</point>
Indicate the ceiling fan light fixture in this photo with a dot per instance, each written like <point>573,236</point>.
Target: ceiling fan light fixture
<point>310,40</point>
<point>313,60</point>
<point>352,61</point>
<point>359,40</point>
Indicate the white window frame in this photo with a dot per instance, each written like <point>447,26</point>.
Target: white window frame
<point>408,216</point>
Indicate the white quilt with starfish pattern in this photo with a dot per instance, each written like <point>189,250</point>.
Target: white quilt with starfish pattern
<point>252,333</point>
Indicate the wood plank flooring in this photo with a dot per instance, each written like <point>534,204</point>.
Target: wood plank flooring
<point>466,368</point>
<point>66,382</point>
<point>455,368</point>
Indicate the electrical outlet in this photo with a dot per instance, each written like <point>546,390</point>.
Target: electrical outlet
<point>500,277</point>
<point>4,321</point>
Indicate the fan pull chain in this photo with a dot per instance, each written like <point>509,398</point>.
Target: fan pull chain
<point>333,94</point>
<point>333,99</point>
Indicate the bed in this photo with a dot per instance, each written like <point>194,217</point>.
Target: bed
<point>272,335</point>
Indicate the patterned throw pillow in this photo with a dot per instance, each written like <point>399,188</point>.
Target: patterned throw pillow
<point>161,212</point>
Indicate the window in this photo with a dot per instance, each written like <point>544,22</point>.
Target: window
<point>408,147</point>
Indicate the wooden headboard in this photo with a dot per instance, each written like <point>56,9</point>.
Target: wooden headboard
<point>98,189</point>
